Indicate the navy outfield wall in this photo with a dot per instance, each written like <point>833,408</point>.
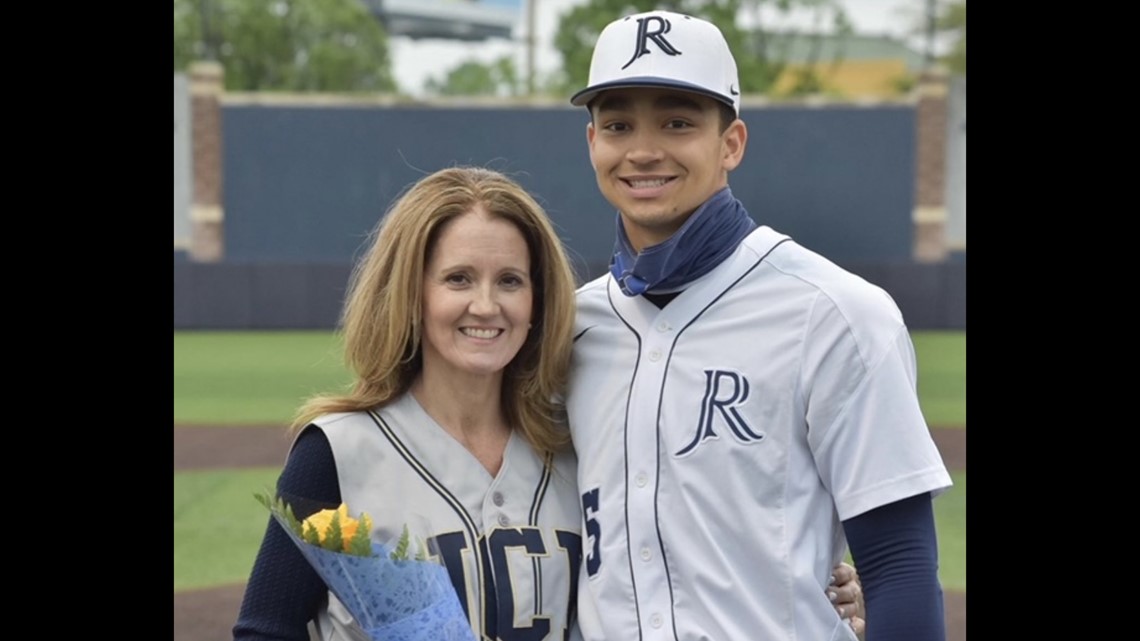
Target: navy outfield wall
<point>308,183</point>
<point>304,185</point>
<point>277,295</point>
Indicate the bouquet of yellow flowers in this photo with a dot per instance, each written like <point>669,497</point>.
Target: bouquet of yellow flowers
<point>392,597</point>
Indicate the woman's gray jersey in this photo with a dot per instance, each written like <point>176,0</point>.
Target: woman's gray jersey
<point>511,543</point>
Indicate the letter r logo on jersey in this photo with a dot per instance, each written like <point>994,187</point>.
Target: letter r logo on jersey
<point>656,33</point>
<point>725,390</point>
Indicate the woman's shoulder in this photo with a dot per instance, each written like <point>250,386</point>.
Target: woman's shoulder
<point>338,420</point>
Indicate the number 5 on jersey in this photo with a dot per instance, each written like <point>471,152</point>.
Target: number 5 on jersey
<point>593,531</point>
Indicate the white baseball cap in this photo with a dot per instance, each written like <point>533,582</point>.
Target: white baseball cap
<point>663,49</point>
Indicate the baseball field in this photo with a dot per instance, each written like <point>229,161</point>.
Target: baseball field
<point>235,391</point>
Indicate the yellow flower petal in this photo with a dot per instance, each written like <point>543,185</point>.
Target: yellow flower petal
<point>348,525</point>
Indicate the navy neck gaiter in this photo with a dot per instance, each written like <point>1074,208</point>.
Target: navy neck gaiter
<point>707,237</point>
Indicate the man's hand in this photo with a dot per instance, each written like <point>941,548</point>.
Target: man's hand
<point>846,594</point>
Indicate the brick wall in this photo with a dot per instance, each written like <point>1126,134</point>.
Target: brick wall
<point>207,223</point>
<point>930,168</point>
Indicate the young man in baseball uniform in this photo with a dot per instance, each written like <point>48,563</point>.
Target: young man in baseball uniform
<point>742,408</point>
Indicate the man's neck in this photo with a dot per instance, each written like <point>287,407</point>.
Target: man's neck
<point>660,300</point>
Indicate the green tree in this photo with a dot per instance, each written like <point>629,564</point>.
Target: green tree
<point>285,45</point>
<point>500,78</point>
<point>944,21</point>
<point>760,58</point>
<point>952,20</point>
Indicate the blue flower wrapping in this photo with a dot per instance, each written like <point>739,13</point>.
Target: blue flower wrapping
<point>406,600</point>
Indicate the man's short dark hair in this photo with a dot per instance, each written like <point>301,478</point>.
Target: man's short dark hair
<point>727,115</point>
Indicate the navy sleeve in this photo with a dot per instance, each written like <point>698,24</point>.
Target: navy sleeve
<point>895,549</point>
<point>284,592</point>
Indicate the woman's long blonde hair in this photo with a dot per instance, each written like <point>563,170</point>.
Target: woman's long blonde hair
<point>382,317</point>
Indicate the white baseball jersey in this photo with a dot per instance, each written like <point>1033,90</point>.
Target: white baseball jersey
<point>512,543</point>
<point>722,439</point>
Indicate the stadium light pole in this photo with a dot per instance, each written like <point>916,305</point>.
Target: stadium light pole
<point>931,28</point>
<point>531,6</point>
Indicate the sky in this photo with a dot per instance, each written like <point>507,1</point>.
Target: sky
<point>414,61</point>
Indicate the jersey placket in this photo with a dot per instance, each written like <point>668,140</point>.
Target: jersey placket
<point>647,560</point>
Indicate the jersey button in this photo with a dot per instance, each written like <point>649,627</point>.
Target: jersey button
<point>642,479</point>
<point>645,554</point>
<point>664,326</point>
<point>655,356</point>
<point>497,498</point>
<point>504,520</point>
<point>656,620</point>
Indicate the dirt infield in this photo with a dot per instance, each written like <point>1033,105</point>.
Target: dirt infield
<point>206,447</point>
<point>209,614</point>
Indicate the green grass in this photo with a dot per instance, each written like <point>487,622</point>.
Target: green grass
<point>942,377</point>
<point>218,525</point>
<point>950,518</point>
<point>236,378</point>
